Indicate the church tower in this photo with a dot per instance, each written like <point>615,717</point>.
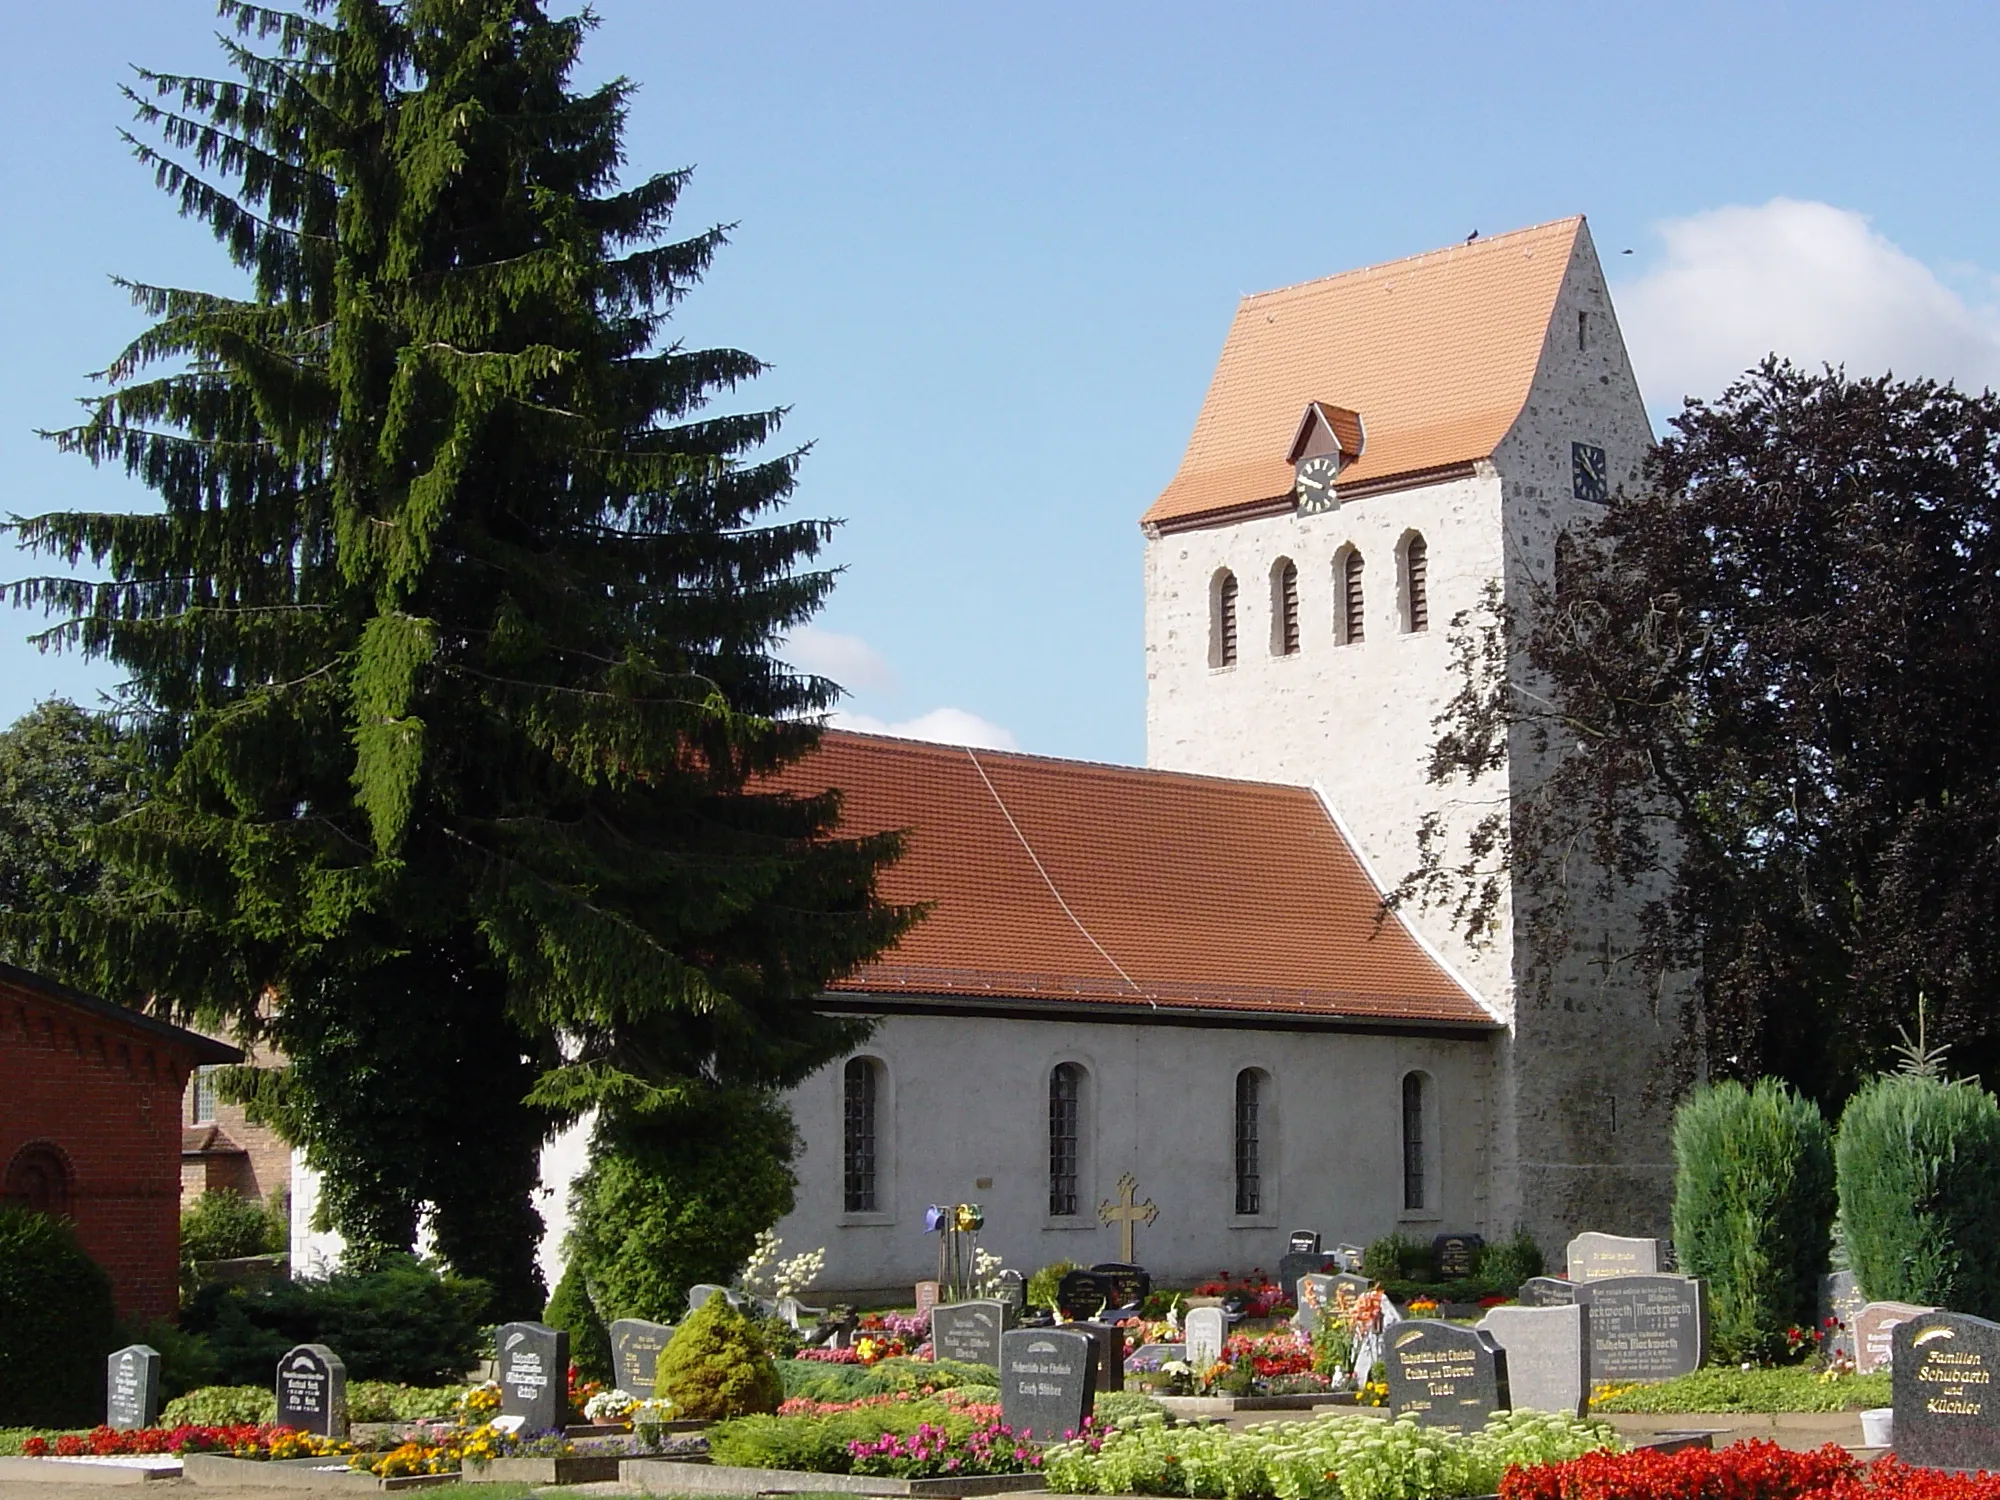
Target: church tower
<point>1374,451</point>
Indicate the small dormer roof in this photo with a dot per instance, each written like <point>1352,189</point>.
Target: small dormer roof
<point>1326,428</point>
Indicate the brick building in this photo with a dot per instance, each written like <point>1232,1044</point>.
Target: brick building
<point>90,1127</point>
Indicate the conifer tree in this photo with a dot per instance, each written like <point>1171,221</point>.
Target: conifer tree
<point>451,643</point>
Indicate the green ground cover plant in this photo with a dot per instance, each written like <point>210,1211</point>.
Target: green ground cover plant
<point>1726,1388</point>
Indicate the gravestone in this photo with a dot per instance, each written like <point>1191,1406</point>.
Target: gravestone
<point>1302,1263</point>
<point>533,1371</point>
<point>1048,1381</point>
<point>1593,1256</point>
<point>1874,1326</point>
<point>1110,1353</point>
<point>132,1387</point>
<point>1445,1376</point>
<point>1014,1291</point>
<point>636,1346</point>
<point>1840,1302</point>
<point>1456,1255</point>
<point>1548,1356</point>
<point>1304,1242</point>
<point>1347,1284</point>
<point>1349,1257</point>
<point>1082,1294</point>
<point>1315,1296</point>
<point>969,1331</point>
<point>1944,1368</point>
<point>1153,1356</point>
<point>701,1291</point>
<point>1207,1330</point>
<point>1127,1286</point>
<point>927,1296</point>
<point>312,1391</point>
<point>1645,1327</point>
<point>1547,1291</point>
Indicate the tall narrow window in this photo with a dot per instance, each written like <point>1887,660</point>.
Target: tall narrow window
<point>1284,608</point>
<point>1583,330</point>
<point>1353,612</point>
<point>201,1097</point>
<point>1417,583</point>
<point>1065,1148</point>
<point>1222,650</point>
<point>858,1152</point>
<point>1413,1142</point>
<point>1249,1179</point>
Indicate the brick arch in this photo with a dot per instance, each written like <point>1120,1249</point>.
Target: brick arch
<point>40,1177</point>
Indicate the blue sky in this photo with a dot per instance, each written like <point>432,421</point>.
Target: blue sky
<point>991,254</point>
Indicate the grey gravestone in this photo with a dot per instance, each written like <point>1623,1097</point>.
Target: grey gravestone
<point>1645,1327</point>
<point>1548,1356</point>
<point>636,1346</point>
<point>312,1391</point>
<point>1444,1375</point>
<point>1315,1296</point>
<point>700,1292</point>
<point>1110,1353</point>
<point>1207,1330</point>
<point>1593,1257</point>
<point>1346,1284</point>
<point>928,1295</point>
<point>1547,1291</point>
<point>969,1331</point>
<point>1048,1381</point>
<point>1840,1302</point>
<point>1127,1285</point>
<point>1455,1255</point>
<point>1301,1263</point>
<point>533,1374</point>
<point>1152,1356</point>
<point>1349,1257</point>
<point>1081,1294</point>
<point>132,1387</point>
<point>1945,1364</point>
<point>1874,1326</point>
<point>1014,1291</point>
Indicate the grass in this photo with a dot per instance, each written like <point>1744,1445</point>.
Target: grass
<point>1725,1388</point>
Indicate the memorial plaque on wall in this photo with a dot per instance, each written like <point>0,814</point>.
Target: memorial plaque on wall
<point>636,1346</point>
<point>1444,1375</point>
<point>1944,1369</point>
<point>1547,1291</point>
<point>969,1331</point>
<point>1593,1256</point>
<point>1048,1381</point>
<point>132,1387</point>
<point>1645,1327</point>
<point>1456,1255</point>
<point>533,1374</point>
<point>312,1391</point>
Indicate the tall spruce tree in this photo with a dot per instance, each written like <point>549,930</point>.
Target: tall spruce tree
<point>451,646</point>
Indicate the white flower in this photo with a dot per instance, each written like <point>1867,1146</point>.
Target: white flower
<point>610,1406</point>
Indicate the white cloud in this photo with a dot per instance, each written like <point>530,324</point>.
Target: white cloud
<point>847,659</point>
<point>1813,283</point>
<point>950,726</point>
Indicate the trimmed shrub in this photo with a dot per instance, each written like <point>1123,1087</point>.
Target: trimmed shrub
<point>714,1366</point>
<point>817,1380</point>
<point>55,1324</point>
<point>222,1406</point>
<point>384,1401</point>
<point>589,1339</point>
<point>1042,1285</point>
<point>1753,1210</point>
<point>222,1224</point>
<point>1507,1263</point>
<point>1397,1257</point>
<point>1919,1177</point>
<point>186,1361</point>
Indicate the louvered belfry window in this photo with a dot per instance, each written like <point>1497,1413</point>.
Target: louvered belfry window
<point>1225,621</point>
<point>1413,1141</point>
<point>1249,1180</point>
<point>1065,1146</point>
<point>1417,561</point>
<point>858,1151</point>
<point>1353,614</point>
<point>1287,592</point>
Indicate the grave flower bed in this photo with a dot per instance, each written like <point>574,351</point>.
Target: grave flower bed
<point>1754,1470</point>
<point>938,1453</point>
<point>250,1440</point>
<point>903,1428</point>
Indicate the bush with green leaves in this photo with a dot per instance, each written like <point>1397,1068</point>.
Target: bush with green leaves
<point>1505,1264</point>
<point>1397,1257</point>
<point>905,1374</point>
<point>1753,1210</point>
<point>1042,1285</point>
<point>222,1406</point>
<point>186,1361</point>
<point>819,1380</point>
<point>818,1444</point>
<point>570,1308</point>
<point>56,1323</point>
<point>715,1366</point>
<point>402,1322</point>
<point>222,1224</point>
<point>1918,1164</point>
<point>1731,1388</point>
<point>388,1401</point>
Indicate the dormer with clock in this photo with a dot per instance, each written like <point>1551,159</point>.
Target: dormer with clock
<point>1329,438</point>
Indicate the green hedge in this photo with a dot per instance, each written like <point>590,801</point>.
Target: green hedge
<point>589,1340</point>
<point>56,1324</point>
<point>1753,1211</point>
<point>1919,1180</point>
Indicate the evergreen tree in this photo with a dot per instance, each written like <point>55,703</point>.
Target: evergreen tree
<point>451,644</point>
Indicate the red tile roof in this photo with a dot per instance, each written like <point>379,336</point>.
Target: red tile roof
<point>1055,880</point>
<point>1435,352</point>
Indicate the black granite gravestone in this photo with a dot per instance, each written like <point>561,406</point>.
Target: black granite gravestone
<point>1840,1303</point>
<point>312,1391</point>
<point>1546,1291</point>
<point>1942,1378</point>
<point>1048,1381</point>
<point>969,1331</point>
<point>132,1387</point>
<point>636,1346</point>
<point>1444,1375</point>
<point>1014,1291</point>
<point>1082,1294</point>
<point>1304,1242</point>
<point>1302,1263</point>
<point>1645,1327</point>
<point>533,1374</point>
<point>1110,1353</point>
<point>1129,1285</point>
<point>1456,1255</point>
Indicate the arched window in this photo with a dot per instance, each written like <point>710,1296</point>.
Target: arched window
<point>1284,608</point>
<point>1065,1138</point>
<point>1249,1128</point>
<point>861,1097</point>
<point>1222,623</point>
<point>1416,583</point>
<point>1415,1188</point>
<point>1351,620</point>
<point>38,1179</point>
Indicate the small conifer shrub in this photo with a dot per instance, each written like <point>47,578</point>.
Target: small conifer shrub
<point>715,1366</point>
<point>570,1307</point>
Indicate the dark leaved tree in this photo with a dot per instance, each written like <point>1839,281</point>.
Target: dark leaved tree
<point>1766,689</point>
<point>450,644</point>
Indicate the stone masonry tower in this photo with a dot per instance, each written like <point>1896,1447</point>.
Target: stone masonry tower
<point>1374,449</point>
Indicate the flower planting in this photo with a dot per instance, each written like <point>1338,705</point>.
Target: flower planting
<point>257,1441</point>
<point>933,1452</point>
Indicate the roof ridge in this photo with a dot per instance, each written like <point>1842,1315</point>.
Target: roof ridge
<point>1462,248</point>
<point>1070,762</point>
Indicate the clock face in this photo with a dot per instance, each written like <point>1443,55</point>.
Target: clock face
<point>1588,476</point>
<point>1314,485</point>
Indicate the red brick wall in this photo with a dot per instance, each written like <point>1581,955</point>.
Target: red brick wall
<point>108,1098</point>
